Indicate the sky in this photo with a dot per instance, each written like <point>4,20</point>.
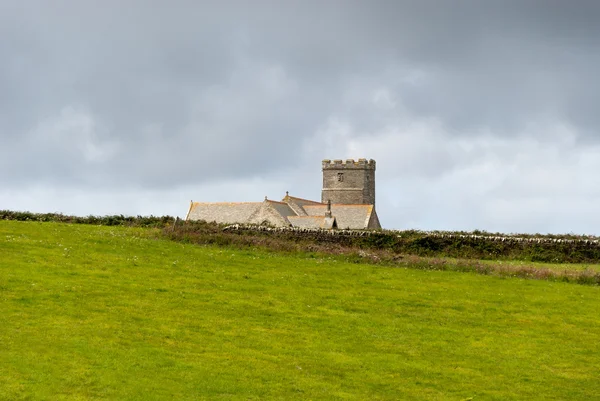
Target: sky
<point>480,114</point>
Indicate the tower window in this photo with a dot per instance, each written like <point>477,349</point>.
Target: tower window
<point>341,177</point>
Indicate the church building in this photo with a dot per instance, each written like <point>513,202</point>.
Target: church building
<point>347,202</point>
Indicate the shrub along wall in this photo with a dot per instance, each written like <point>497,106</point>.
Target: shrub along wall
<point>116,220</point>
<point>538,248</point>
<point>476,245</point>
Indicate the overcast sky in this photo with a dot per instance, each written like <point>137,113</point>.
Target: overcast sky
<point>480,114</point>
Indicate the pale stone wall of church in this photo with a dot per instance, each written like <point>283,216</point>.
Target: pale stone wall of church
<point>349,182</point>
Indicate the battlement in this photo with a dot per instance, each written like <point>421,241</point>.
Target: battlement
<point>348,164</point>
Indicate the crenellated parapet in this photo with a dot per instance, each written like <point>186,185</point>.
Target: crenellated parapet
<point>348,164</point>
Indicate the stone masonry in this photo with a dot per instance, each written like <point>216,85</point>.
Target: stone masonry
<point>347,202</point>
<point>349,182</point>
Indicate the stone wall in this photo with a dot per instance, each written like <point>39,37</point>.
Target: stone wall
<point>349,182</point>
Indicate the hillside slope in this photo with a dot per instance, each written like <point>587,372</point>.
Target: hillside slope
<point>116,313</point>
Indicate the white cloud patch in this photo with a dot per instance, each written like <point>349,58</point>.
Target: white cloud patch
<point>76,132</point>
<point>428,177</point>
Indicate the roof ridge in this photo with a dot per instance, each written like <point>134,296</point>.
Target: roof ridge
<point>224,203</point>
<point>342,204</point>
<point>304,199</point>
<point>274,201</point>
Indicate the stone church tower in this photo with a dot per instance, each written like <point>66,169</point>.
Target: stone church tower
<point>347,202</point>
<point>349,182</point>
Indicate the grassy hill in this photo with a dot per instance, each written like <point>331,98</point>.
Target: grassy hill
<point>94,312</point>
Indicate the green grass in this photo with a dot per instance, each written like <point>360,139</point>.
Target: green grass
<point>559,267</point>
<point>552,266</point>
<point>91,312</point>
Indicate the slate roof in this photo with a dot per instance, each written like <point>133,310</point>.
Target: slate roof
<point>282,208</point>
<point>272,213</point>
<point>347,216</point>
<point>222,212</point>
<point>292,211</point>
<point>300,201</point>
<point>313,222</point>
<point>297,204</point>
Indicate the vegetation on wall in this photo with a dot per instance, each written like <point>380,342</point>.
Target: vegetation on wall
<point>481,252</point>
<point>116,220</point>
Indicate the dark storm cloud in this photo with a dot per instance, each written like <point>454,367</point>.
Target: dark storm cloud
<point>156,95</point>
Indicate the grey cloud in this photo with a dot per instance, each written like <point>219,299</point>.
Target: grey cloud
<point>153,95</point>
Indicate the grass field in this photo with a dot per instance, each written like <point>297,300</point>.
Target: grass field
<point>551,266</point>
<point>90,312</point>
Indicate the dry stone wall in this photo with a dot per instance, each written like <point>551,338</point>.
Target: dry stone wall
<point>587,240</point>
<point>547,249</point>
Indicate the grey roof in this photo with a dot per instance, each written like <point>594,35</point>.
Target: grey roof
<point>271,212</point>
<point>313,222</point>
<point>297,204</point>
<point>282,208</point>
<point>222,212</point>
<point>293,211</point>
<point>300,201</point>
<point>298,210</point>
<point>347,216</point>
